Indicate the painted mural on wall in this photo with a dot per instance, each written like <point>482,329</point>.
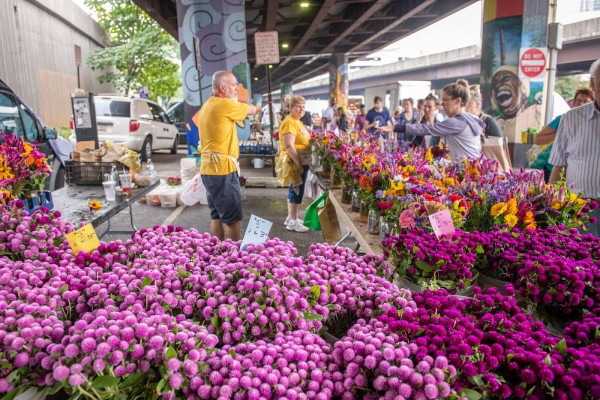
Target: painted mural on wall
<point>513,99</point>
<point>221,27</point>
<point>338,80</point>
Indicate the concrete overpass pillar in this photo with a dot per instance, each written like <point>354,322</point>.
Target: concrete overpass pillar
<point>220,27</point>
<point>338,79</point>
<point>513,67</point>
<point>286,92</point>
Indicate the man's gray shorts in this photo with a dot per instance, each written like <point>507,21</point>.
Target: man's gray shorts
<point>224,197</point>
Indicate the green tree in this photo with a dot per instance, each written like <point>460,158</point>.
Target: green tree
<point>567,85</point>
<point>140,52</point>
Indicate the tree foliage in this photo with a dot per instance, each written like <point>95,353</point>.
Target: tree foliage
<point>140,53</point>
<point>567,85</point>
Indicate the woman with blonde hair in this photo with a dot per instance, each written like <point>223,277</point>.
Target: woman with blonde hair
<point>474,107</point>
<point>461,131</point>
<point>295,141</point>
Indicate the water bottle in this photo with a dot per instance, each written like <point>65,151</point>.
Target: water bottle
<point>114,173</point>
<point>150,169</point>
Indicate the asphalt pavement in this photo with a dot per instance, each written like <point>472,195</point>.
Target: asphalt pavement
<point>262,197</point>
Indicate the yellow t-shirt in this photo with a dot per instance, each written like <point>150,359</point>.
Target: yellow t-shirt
<point>296,128</point>
<point>218,134</point>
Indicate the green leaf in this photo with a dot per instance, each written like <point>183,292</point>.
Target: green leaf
<point>255,272</point>
<point>424,266</point>
<point>147,280</point>
<point>215,322</point>
<point>132,380</point>
<point>232,353</point>
<point>561,346</point>
<point>509,356</point>
<point>479,249</point>
<point>328,289</point>
<point>58,240</point>
<point>316,291</point>
<point>311,316</point>
<point>203,368</point>
<point>161,385</point>
<point>104,381</point>
<point>176,329</point>
<point>477,381</point>
<point>548,360</point>
<point>10,396</point>
<point>182,273</point>
<point>469,394</point>
<point>63,289</point>
<point>171,353</point>
<point>597,334</point>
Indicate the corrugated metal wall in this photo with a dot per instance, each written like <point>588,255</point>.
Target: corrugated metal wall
<point>37,54</point>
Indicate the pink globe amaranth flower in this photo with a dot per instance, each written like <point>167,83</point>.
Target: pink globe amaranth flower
<point>21,359</point>
<point>60,373</point>
<point>175,380</point>
<point>173,364</point>
<point>75,380</point>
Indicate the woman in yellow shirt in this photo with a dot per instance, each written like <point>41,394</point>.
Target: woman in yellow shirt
<point>295,141</point>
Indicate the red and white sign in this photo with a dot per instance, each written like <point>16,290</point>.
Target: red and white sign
<point>266,47</point>
<point>532,62</point>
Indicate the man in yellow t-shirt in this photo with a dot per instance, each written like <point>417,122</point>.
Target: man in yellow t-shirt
<point>220,150</point>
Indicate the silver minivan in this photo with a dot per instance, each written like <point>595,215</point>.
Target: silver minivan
<point>141,125</point>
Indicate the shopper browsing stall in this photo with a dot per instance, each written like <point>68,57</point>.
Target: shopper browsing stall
<point>220,150</point>
<point>461,131</point>
<point>295,142</point>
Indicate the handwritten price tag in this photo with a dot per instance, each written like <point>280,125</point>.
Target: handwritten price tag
<point>257,231</point>
<point>442,223</point>
<point>83,239</point>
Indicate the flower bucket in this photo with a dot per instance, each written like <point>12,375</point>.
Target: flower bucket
<point>355,203</point>
<point>487,282</point>
<point>364,212</point>
<point>346,193</point>
<point>373,222</point>
<point>336,179</point>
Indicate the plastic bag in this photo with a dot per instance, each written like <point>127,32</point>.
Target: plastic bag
<point>194,191</point>
<point>311,216</point>
<point>287,172</point>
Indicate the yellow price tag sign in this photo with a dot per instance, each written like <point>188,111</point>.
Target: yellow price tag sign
<point>83,239</point>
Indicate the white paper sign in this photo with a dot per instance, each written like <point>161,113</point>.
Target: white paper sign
<point>442,223</point>
<point>266,47</point>
<point>257,231</point>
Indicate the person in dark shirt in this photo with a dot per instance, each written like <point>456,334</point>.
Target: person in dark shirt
<point>378,117</point>
<point>342,119</point>
<point>307,120</point>
<point>361,119</point>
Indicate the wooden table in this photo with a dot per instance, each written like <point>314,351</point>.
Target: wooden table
<point>73,201</point>
<point>368,242</point>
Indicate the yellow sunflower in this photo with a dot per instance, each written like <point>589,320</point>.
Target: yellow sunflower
<point>511,220</point>
<point>511,207</point>
<point>498,209</point>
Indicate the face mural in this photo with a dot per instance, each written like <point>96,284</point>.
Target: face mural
<point>506,92</point>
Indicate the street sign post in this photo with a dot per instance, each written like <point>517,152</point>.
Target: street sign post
<point>532,62</point>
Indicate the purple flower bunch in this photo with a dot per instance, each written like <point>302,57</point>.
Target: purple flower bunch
<point>581,351</point>
<point>24,236</point>
<point>374,363</point>
<point>492,344</point>
<point>293,365</point>
<point>422,259</point>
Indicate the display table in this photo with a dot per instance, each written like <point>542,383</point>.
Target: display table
<point>73,201</point>
<point>368,242</point>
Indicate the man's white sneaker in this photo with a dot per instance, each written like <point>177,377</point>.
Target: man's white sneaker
<point>287,220</point>
<point>296,226</point>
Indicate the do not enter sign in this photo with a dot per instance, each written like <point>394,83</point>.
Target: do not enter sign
<point>532,62</point>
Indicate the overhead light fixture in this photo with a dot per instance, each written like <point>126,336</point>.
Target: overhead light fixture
<point>255,78</point>
<point>270,66</point>
<point>284,45</point>
<point>304,4</point>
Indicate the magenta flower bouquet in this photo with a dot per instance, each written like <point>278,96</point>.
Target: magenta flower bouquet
<point>23,168</point>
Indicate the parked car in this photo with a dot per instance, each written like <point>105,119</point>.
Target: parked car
<point>18,118</point>
<point>140,124</point>
<point>177,115</point>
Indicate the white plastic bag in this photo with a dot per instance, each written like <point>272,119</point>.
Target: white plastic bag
<point>194,191</point>
<point>187,169</point>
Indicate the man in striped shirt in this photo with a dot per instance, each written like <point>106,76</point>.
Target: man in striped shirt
<point>576,148</point>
